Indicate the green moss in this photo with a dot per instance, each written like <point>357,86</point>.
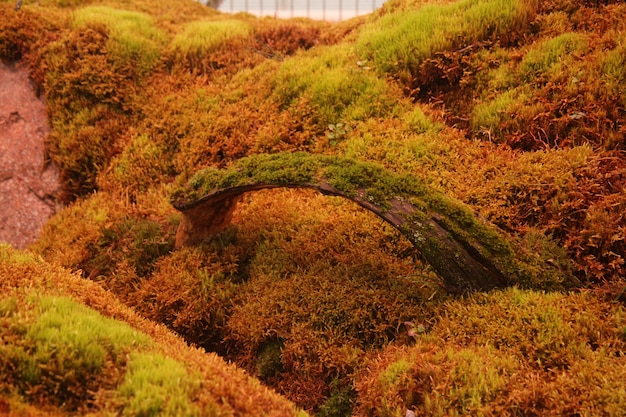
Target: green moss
<point>79,335</point>
<point>268,360</point>
<point>613,72</point>
<point>399,42</point>
<point>339,403</point>
<point>393,373</point>
<point>133,35</point>
<point>200,38</point>
<point>418,122</point>
<point>61,350</point>
<point>8,306</point>
<point>335,89</point>
<point>552,56</point>
<point>488,117</point>
<point>155,385</point>
<point>476,379</point>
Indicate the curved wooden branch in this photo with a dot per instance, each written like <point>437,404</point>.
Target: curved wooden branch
<point>466,252</point>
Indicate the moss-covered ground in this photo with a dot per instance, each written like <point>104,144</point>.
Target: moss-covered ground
<point>517,109</point>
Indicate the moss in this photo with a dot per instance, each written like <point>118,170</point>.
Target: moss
<point>268,362</point>
<point>141,164</point>
<point>133,35</point>
<point>484,350</point>
<point>552,56</point>
<point>391,376</point>
<point>339,403</point>
<point>400,42</point>
<point>65,351</point>
<point>333,87</point>
<point>203,37</point>
<point>345,174</point>
<point>71,347</point>
<point>155,385</point>
<point>375,185</point>
<point>136,100</point>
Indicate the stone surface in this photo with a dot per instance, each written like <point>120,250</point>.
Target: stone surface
<point>28,184</point>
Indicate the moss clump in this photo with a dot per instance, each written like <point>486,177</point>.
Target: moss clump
<point>69,347</point>
<point>200,38</point>
<point>552,57</point>
<point>516,110</point>
<point>345,174</point>
<point>335,88</point>
<point>268,363</point>
<point>133,36</point>
<point>484,352</point>
<point>155,385</point>
<point>400,42</point>
<point>64,353</point>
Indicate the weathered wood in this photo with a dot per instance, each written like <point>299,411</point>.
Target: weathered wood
<point>462,268</point>
<point>468,253</point>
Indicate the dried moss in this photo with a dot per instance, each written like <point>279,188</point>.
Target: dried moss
<point>127,125</point>
<point>482,354</point>
<point>70,347</point>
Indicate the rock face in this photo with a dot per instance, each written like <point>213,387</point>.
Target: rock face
<point>27,183</point>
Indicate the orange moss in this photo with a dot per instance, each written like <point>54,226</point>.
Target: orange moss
<point>299,296</point>
<point>505,353</point>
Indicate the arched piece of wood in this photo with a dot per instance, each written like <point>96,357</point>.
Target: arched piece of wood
<point>466,252</point>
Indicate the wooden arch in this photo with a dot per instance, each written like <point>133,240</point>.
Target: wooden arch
<point>466,252</point>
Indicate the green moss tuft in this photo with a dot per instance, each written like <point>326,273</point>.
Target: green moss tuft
<point>333,87</point>
<point>133,36</point>
<point>65,351</point>
<point>200,38</point>
<point>155,385</point>
<point>399,43</point>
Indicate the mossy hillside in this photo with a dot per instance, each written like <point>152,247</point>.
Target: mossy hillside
<point>64,346</point>
<point>335,86</point>
<point>133,36</point>
<point>68,356</point>
<point>93,74</point>
<point>569,61</point>
<point>573,193</point>
<point>399,43</point>
<point>545,352</point>
<point>560,80</point>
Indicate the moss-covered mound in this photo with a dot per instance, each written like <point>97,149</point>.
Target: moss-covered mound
<point>505,353</point>
<point>515,109</point>
<point>71,347</point>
